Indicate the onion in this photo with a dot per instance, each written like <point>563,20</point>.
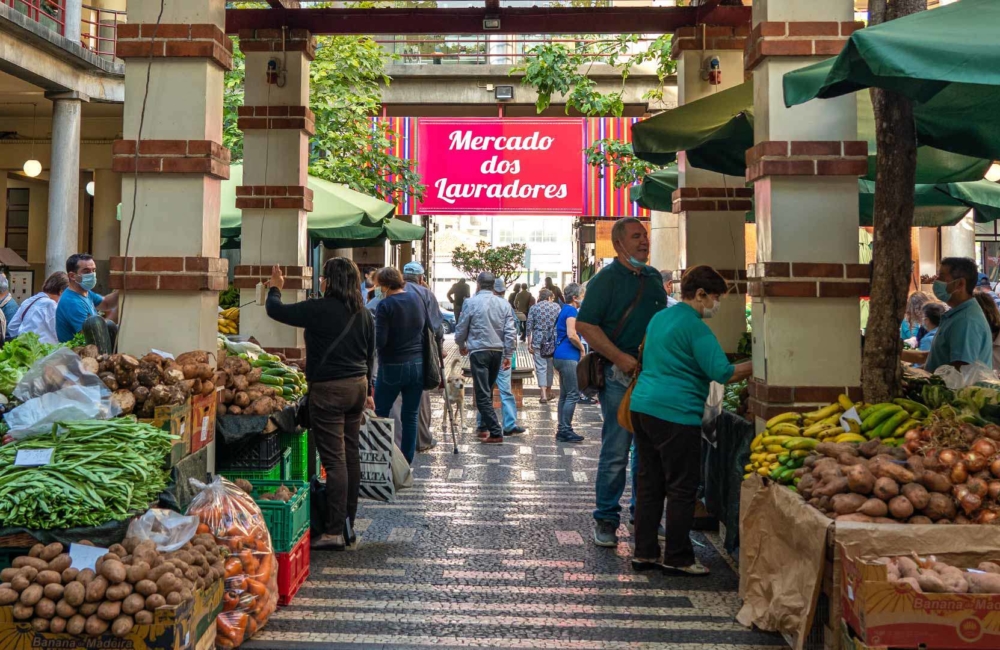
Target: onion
<point>978,486</point>
<point>959,474</point>
<point>992,432</point>
<point>970,431</point>
<point>959,492</point>
<point>984,447</point>
<point>995,467</point>
<point>911,435</point>
<point>961,520</point>
<point>970,503</point>
<point>975,462</point>
<point>986,517</point>
<point>948,457</point>
<point>993,489</point>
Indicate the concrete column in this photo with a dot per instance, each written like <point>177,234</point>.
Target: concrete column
<point>277,123</point>
<point>64,181</point>
<point>959,240</point>
<point>72,15</point>
<point>107,229</point>
<point>710,209</point>
<point>172,169</point>
<point>664,241</point>
<point>804,166</point>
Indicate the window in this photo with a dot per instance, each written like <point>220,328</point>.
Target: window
<point>16,234</point>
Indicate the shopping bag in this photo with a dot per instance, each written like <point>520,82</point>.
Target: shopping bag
<point>713,409</point>
<point>402,475</point>
<point>376,458</point>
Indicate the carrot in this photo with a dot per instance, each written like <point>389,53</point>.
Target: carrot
<point>233,566</point>
<point>257,588</point>
<point>230,600</point>
<point>265,567</point>
<point>237,583</point>
<point>228,627</point>
<point>250,563</point>
<point>202,528</point>
<point>252,627</point>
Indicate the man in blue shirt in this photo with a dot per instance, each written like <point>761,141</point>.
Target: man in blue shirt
<point>78,302</point>
<point>413,273</point>
<point>7,303</point>
<point>964,335</point>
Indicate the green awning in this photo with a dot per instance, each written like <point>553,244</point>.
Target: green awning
<point>947,60</point>
<point>656,189</point>
<point>698,129</point>
<point>396,231</point>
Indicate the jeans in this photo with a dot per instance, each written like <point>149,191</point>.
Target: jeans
<point>569,395</point>
<point>669,467</point>
<point>615,443</point>
<point>543,369</point>
<point>485,367</point>
<point>407,379</point>
<point>507,402</point>
<point>335,409</point>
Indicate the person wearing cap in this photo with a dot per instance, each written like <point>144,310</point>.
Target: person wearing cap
<point>487,334</point>
<point>416,282</point>
<point>508,405</point>
<point>984,285</point>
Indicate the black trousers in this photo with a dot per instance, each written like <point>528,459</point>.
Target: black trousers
<point>335,409</point>
<point>485,367</point>
<point>670,468</point>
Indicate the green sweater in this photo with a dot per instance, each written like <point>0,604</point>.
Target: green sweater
<point>608,296</point>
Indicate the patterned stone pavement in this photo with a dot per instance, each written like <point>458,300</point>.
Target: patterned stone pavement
<point>492,548</point>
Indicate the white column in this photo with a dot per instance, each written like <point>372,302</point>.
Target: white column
<point>72,15</point>
<point>959,240</point>
<point>64,181</point>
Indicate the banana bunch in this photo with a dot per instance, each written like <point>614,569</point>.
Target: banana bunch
<point>229,321</point>
<point>778,456</point>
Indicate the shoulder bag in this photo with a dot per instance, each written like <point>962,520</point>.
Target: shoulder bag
<point>625,408</point>
<point>432,353</point>
<point>590,370</point>
<point>302,415</point>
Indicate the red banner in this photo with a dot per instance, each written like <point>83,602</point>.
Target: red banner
<point>495,166</point>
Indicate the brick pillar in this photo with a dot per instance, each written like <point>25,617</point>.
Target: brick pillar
<point>169,270</point>
<point>804,166</point>
<point>275,200</point>
<point>710,208</point>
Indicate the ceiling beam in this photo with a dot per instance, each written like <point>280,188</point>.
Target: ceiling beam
<point>513,20</point>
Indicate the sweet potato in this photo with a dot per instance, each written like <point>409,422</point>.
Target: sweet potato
<point>886,488</point>
<point>912,583</point>
<point>940,507</point>
<point>920,519</point>
<point>983,583</point>
<point>874,508</point>
<point>901,508</point>
<point>856,517</point>
<point>916,494</point>
<point>930,582</point>
<point>845,504</point>
<point>860,480</point>
<point>935,482</point>
<point>989,567</point>
<point>953,579</point>
<point>884,468</point>
<point>831,487</point>
<point>834,450</point>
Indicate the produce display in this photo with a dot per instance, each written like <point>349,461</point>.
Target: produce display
<point>927,575</point>
<point>124,589</point>
<point>100,471</point>
<point>140,385</point>
<point>19,354</point>
<point>251,570</point>
<point>736,397</point>
<point>261,386</point>
<point>281,493</point>
<point>229,321</point>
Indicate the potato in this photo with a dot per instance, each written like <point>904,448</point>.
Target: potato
<point>36,550</point>
<point>143,618</point>
<point>983,583</point>
<point>885,468</point>
<point>20,583</point>
<point>133,604</point>
<point>69,575</point>
<point>930,582</point>
<point>86,576</point>
<point>137,572</point>
<point>22,612</point>
<point>119,591</point>
<point>953,579</point>
<point>901,508</point>
<point>122,626</point>
<point>167,583</point>
<point>45,608</point>
<point>155,600</point>
<point>940,507</point>
<point>234,410</point>
<point>241,399</point>
<point>53,591</point>
<point>32,594</point>
<point>109,611</point>
<point>8,596</point>
<point>874,508</point>
<point>60,563</point>
<point>57,625</point>
<point>845,504</point>
<point>935,482</point>
<point>96,589</point>
<point>48,577</point>
<point>8,574</point>
<point>860,480</point>
<point>175,598</point>
<point>95,626</point>
<point>118,549</point>
<point>916,494</point>
<point>50,552</point>
<point>64,609</point>
<point>113,570</point>
<point>75,625</point>
<point>920,520</point>
<point>40,624</point>
<point>145,587</point>
<point>88,609</point>
<point>75,593</point>
<point>886,488</point>
<point>36,563</point>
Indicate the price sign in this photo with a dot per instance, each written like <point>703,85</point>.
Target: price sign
<point>33,457</point>
<point>204,428</point>
<point>848,416</point>
<point>85,557</point>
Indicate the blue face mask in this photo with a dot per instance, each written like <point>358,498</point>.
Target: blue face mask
<point>941,291</point>
<point>88,281</point>
<point>636,263</point>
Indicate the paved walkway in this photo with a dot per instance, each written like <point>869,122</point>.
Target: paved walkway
<point>492,548</point>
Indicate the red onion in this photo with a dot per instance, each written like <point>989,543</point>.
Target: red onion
<point>984,447</point>
<point>970,503</point>
<point>948,457</point>
<point>978,486</point>
<point>959,474</point>
<point>993,490</point>
<point>975,462</point>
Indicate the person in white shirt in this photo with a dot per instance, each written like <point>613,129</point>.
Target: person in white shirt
<point>38,313</point>
<point>668,286</point>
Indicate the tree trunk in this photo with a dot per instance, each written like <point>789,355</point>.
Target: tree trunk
<point>896,165</point>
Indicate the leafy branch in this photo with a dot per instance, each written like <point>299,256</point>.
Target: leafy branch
<point>617,156</point>
<point>504,262</point>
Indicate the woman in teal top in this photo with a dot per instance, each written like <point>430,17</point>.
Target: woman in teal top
<point>680,358</point>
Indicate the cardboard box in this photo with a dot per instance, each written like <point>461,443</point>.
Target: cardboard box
<point>185,626</point>
<point>886,614</point>
<point>203,410</point>
<point>178,418</point>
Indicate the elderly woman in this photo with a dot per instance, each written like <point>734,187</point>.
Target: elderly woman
<point>567,357</point>
<point>680,358</point>
<point>541,327</point>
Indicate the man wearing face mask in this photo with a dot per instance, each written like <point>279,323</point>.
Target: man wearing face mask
<point>79,302</point>
<point>680,358</point>
<point>621,300</point>
<point>963,337</point>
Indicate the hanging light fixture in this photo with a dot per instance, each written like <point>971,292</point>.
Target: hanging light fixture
<point>90,188</point>
<point>32,167</point>
<point>993,173</point>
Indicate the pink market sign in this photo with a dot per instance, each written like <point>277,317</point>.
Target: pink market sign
<point>497,166</point>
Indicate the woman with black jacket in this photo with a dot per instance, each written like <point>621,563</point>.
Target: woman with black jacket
<point>340,350</point>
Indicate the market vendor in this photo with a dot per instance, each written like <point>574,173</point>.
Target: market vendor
<point>79,302</point>
<point>963,336</point>
<point>38,313</point>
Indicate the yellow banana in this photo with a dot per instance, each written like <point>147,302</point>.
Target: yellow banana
<point>824,412</point>
<point>845,402</point>
<point>784,417</point>
<point>775,449</point>
<point>849,437</point>
<point>756,441</point>
<point>786,429</point>
<point>775,440</point>
<point>815,429</point>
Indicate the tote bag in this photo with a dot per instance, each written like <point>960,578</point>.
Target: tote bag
<point>376,438</point>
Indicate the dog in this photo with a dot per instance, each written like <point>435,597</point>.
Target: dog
<point>454,393</point>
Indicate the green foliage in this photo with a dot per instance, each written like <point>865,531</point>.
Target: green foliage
<point>608,154</point>
<point>345,92</point>
<point>505,262</point>
<point>230,297</point>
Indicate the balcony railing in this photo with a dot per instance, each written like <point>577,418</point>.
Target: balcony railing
<point>98,26</point>
<point>483,49</point>
<point>49,13</point>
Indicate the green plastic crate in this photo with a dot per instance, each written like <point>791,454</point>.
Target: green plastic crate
<point>286,521</point>
<point>298,443</point>
<point>283,468</point>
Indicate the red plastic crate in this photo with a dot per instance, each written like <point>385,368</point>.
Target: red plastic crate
<point>293,570</point>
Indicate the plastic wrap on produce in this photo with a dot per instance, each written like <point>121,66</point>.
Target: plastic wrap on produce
<point>167,529</point>
<point>251,578</point>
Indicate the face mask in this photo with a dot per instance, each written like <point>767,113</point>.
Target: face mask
<point>88,281</point>
<point>713,310</point>
<point>636,263</point>
<point>378,292</point>
<point>941,291</point>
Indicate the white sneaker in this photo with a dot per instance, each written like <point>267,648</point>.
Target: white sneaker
<point>695,570</point>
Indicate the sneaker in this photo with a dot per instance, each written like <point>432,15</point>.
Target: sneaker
<point>491,440</point>
<point>639,564</point>
<point>483,434</point>
<point>696,570</point>
<point>605,534</point>
<point>329,543</point>
<point>424,450</point>
<point>568,437</point>
<point>514,431</point>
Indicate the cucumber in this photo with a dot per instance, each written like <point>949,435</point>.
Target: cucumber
<point>95,332</point>
<point>271,380</point>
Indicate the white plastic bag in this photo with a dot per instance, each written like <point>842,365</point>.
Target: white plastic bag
<point>402,474</point>
<point>168,529</point>
<point>61,369</point>
<point>713,409</point>
<point>968,375</point>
